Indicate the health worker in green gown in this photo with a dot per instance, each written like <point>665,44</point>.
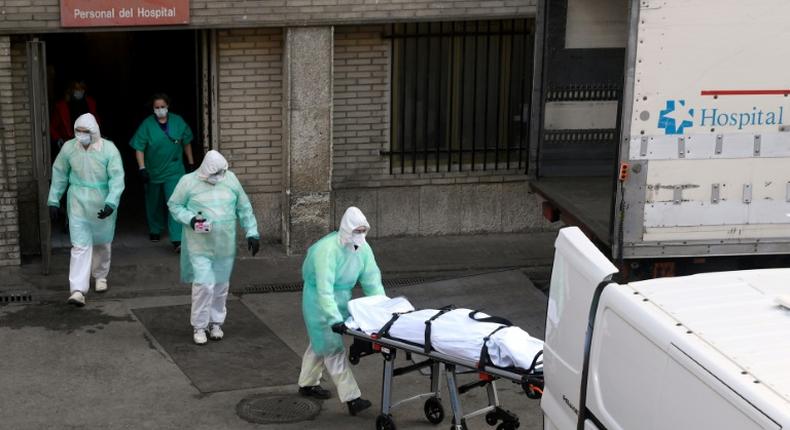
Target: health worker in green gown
<point>161,142</point>
<point>331,269</point>
<point>90,167</point>
<point>208,202</point>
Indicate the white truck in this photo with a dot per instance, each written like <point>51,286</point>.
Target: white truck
<point>707,351</point>
<point>702,166</point>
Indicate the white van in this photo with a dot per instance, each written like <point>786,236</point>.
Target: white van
<point>708,351</point>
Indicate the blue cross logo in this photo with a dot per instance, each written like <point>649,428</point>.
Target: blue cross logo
<point>676,117</point>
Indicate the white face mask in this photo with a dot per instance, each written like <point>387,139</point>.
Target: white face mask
<point>78,94</point>
<point>358,239</point>
<point>160,112</point>
<point>215,178</point>
<point>83,138</point>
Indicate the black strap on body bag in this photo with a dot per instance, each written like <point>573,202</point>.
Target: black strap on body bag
<point>427,345</point>
<point>485,358</point>
<point>385,330</point>
<point>490,319</point>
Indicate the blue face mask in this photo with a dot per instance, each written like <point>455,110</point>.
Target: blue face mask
<point>160,112</point>
<point>78,94</point>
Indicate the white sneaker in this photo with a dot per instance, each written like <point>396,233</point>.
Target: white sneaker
<point>101,285</point>
<point>216,332</point>
<point>77,299</point>
<point>200,337</point>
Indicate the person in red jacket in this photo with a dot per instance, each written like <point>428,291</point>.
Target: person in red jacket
<point>66,111</point>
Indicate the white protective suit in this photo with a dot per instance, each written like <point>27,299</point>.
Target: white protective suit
<point>94,177</point>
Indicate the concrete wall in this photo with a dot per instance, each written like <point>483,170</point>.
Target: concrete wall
<point>44,15</point>
<point>502,207</point>
<point>9,219</point>
<point>250,118</point>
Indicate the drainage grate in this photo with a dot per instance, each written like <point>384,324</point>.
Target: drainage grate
<point>8,298</point>
<point>272,288</point>
<point>389,283</point>
<point>297,286</point>
<point>275,409</point>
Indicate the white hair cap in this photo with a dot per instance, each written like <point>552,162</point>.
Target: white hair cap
<point>212,163</point>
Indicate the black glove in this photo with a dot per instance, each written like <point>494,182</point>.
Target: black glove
<point>54,213</point>
<point>190,167</point>
<point>107,211</point>
<point>339,328</point>
<point>253,245</point>
<point>194,221</point>
<point>144,176</point>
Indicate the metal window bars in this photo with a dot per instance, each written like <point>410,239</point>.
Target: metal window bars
<point>460,95</point>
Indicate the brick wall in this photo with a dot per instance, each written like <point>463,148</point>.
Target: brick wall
<point>44,15</point>
<point>9,227</point>
<point>250,117</point>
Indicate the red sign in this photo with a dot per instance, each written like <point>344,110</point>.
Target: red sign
<point>114,13</point>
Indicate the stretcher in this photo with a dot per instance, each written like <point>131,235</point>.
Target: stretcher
<point>435,364</point>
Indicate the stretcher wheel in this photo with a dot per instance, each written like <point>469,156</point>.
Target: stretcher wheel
<point>353,359</point>
<point>434,411</point>
<point>507,426</point>
<point>385,422</point>
<point>491,419</point>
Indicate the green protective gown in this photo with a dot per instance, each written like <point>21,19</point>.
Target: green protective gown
<point>207,258</point>
<point>94,178</point>
<point>164,154</point>
<point>330,271</point>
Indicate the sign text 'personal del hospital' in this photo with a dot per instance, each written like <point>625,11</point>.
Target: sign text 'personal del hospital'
<point>113,13</point>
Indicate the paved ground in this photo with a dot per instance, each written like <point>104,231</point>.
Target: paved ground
<point>142,268</point>
<point>98,367</point>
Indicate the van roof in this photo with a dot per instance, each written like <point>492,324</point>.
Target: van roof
<point>736,313</point>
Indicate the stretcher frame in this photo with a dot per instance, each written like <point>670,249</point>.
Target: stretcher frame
<point>365,344</point>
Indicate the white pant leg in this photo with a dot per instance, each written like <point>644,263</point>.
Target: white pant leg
<point>202,296</point>
<point>340,370</point>
<point>100,265</point>
<point>312,367</point>
<point>80,269</point>
<point>218,309</point>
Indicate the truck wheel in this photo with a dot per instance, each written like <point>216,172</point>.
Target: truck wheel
<point>434,411</point>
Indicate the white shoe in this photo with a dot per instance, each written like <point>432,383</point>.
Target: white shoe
<point>101,285</point>
<point>200,337</point>
<point>216,332</point>
<point>77,299</point>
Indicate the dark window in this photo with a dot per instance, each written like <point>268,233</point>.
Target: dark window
<point>460,95</point>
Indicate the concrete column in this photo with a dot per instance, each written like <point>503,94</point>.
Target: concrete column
<point>307,109</point>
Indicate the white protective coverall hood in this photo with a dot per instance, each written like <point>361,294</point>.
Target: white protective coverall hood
<point>88,121</point>
<point>352,219</point>
<point>213,167</point>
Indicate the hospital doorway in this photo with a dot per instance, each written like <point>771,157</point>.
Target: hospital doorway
<point>121,71</point>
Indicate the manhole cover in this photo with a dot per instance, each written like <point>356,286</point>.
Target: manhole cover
<point>271,409</point>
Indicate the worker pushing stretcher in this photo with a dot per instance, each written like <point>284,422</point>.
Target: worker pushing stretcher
<point>450,340</point>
